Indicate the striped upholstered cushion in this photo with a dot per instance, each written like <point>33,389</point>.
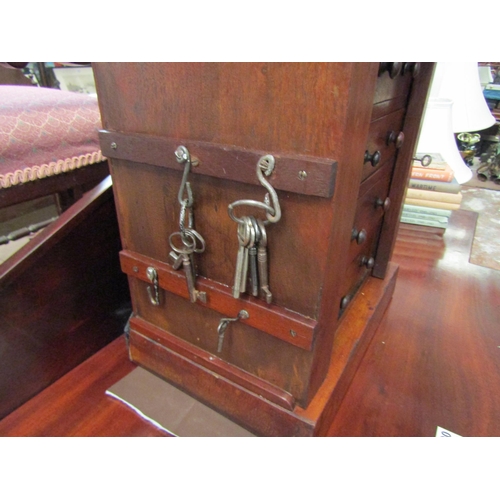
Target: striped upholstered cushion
<point>44,132</point>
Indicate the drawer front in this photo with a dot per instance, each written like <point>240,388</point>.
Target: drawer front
<point>384,139</point>
<point>373,202</point>
<point>360,266</point>
<point>392,85</point>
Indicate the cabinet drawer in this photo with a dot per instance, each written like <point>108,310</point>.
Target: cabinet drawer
<point>392,87</point>
<point>360,267</point>
<point>384,138</point>
<point>372,204</point>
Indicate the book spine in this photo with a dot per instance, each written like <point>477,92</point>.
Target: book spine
<point>413,215</point>
<point>422,194</point>
<point>423,222</point>
<point>427,185</point>
<point>432,204</point>
<point>426,210</point>
<point>433,175</point>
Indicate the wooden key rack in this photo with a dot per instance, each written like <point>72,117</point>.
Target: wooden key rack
<point>342,136</point>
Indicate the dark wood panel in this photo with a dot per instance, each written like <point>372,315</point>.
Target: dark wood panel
<point>245,407</point>
<point>215,364</point>
<point>273,320</point>
<point>266,356</point>
<point>225,162</point>
<point>62,297</point>
<point>287,107</point>
<point>149,215</point>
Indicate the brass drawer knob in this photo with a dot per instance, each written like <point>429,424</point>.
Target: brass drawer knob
<point>368,262</point>
<point>393,68</point>
<point>397,139</point>
<point>374,158</point>
<point>385,204</point>
<point>359,236</point>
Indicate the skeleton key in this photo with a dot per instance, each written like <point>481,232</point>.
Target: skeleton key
<point>243,239</point>
<point>194,294</point>
<point>184,256</point>
<point>188,271</point>
<point>176,259</point>
<point>262,264</point>
<point>251,242</point>
<point>252,255</point>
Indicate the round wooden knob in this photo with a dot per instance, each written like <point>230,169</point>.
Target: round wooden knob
<point>374,158</point>
<point>359,236</point>
<point>385,204</point>
<point>345,301</point>
<point>393,68</point>
<point>397,139</point>
<point>368,262</point>
<point>411,67</point>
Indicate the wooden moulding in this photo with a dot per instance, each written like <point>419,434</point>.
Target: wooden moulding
<point>225,162</point>
<point>284,324</point>
<point>255,404</point>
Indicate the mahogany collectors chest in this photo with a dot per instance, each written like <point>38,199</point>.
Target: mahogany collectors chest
<point>258,205</point>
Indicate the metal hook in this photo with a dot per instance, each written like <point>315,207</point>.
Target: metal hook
<point>266,166</point>
<point>223,324</point>
<point>183,156</point>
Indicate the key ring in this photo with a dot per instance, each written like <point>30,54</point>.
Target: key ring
<point>197,236</point>
<point>251,203</point>
<point>188,249</point>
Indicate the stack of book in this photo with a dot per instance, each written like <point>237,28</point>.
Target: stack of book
<point>432,194</point>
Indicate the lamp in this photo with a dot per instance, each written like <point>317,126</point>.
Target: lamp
<point>436,136</point>
<point>456,105</point>
<point>460,82</point>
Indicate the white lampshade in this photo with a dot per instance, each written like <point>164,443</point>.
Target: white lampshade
<point>436,136</point>
<point>459,81</point>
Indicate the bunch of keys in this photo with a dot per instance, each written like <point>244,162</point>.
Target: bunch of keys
<point>183,256</point>
<point>190,240</point>
<point>252,238</point>
<point>252,254</point>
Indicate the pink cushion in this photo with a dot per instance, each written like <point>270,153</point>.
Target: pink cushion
<point>45,132</point>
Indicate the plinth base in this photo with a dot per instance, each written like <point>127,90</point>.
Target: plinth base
<point>160,353</point>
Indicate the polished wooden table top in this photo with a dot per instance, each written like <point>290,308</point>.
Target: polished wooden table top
<point>434,360</point>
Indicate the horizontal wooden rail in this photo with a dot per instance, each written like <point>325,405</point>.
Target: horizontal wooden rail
<point>294,173</point>
<point>274,320</point>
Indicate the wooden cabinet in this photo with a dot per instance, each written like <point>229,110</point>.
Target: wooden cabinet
<point>341,136</point>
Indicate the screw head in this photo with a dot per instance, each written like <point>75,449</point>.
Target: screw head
<point>114,145</point>
<point>293,333</point>
<point>302,175</point>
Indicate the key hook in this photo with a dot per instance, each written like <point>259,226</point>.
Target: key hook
<point>183,156</point>
<point>223,324</point>
<point>266,166</point>
<point>273,212</point>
